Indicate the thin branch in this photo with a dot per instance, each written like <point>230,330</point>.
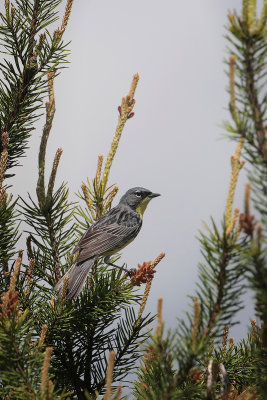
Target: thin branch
<point>50,113</point>
<point>125,113</point>
<point>254,101</point>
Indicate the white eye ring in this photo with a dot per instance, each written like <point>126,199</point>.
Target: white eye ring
<point>138,194</point>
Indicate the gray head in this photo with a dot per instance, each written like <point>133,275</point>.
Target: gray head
<point>138,198</point>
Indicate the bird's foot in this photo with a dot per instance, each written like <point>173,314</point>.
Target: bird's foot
<point>108,262</point>
<point>132,272</point>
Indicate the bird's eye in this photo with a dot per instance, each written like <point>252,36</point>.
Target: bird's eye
<point>138,194</point>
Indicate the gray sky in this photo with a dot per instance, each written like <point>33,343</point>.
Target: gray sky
<point>171,146</point>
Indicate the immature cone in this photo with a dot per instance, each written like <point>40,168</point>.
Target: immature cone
<point>247,221</point>
<point>9,303</point>
<point>143,274</point>
<point>148,287</point>
<point>196,375</point>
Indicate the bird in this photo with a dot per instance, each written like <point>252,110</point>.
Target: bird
<point>111,233</point>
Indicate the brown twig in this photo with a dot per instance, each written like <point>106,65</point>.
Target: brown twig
<point>29,247</point>
<point>29,275</point>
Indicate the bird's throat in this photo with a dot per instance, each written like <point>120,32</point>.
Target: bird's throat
<point>142,206</point>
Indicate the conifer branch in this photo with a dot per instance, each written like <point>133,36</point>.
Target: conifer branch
<point>99,169</point>
<point>23,84</point>
<point>66,16</point>
<point>256,108</point>
<point>77,383</point>
<point>125,111</point>
<point>33,28</point>
<point>94,194</point>
<point>248,40</point>
<point>52,178</point>
<point>216,299</point>
<point>236,167</point>
<point>8,217</point>
<point>50,113</point>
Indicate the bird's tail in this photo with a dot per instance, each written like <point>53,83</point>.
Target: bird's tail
<point>77,275</point>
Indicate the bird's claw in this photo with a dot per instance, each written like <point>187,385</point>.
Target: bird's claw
<point>132,272</point>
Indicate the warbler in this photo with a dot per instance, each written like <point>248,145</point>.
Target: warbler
<point>110,234</point>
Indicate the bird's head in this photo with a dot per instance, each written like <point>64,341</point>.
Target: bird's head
<point>138,198</point>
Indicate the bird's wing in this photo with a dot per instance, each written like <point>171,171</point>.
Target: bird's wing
<point>111,232</point>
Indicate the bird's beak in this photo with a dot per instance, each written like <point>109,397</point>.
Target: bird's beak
<point>152,195</point>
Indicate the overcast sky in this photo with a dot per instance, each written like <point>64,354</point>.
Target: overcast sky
<point>171,146</point>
